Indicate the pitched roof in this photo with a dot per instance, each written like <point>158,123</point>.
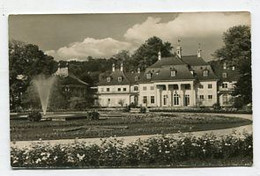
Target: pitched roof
<point>187,68</point>
<point>198,72</point>
<point>167,61</point>
<point>73,80</point>
<point>232,75</point>
<point>114,79</point>
<point>134,77</point>
<point>193,60</point>
<point>164,73</point>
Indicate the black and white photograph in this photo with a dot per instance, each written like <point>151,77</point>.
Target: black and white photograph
<point>130,90</point>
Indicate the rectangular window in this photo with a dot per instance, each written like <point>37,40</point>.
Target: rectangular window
<point>102,90</point>
<point>225,99</point>
<point>173,73</point>
<point>144,88</point>
<point>119,79</point>
<point>205,73</point>
<point>135,88</point>
<point>224,65</point>
<point>209,86</point>
<point>152,88</point>
<point>152,99</point>
<point>210,97</point>
<point>148,75</point>
<point>119,89</point>
<point>175,99</point>
<point>201,86</point>
<point>124,89</point>
<point>187,100</point>
<point>202,97</point>
<point>224,85</point>
<point>144,99</point>
<point>108,89</point>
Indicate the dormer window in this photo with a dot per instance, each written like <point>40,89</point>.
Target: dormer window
<point>148,75</point>
<point>205,73</point>
<point>108,79</point>
<point>224,75</point>
<point>224,65</point>
<point>120,79</point>
<point>136,78</point>
<point>233,67</point>
<point>173,73</point>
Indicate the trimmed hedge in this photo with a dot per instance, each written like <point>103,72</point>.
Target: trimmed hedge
<point>155,152</point>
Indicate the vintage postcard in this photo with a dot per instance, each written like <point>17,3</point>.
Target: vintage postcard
<point>133,90</point>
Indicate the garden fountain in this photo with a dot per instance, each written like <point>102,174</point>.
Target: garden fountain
<point>44,86</point>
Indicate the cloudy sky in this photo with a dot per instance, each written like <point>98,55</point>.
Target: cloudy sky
<point>103,35</point>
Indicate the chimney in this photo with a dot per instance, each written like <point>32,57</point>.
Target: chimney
<point>113,67</point>
<point>159,55</point>
<point>179,49</point>
<point>121,67</point>
<point>58,68</point>
<point>199,51</point>
<point>138,70</point>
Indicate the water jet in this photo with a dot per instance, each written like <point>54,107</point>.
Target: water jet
<point>44,86</point>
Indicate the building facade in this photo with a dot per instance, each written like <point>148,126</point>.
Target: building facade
<point>71,87</point>
<point>178,82</point>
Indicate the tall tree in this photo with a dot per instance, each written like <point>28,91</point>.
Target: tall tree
<point>25,62</point>
<point>237,52</point>
<point>147,53</point>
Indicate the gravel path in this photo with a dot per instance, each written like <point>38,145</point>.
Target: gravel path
<point>128,139</point>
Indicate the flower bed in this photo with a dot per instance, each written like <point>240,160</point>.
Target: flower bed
<point>137,124</point>
<point>187,151</point>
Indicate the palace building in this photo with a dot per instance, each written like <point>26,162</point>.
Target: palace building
<point>178,82</point>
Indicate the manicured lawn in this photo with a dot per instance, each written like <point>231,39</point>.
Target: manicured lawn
<point>124,125</point>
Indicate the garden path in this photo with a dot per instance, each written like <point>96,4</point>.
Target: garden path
<point>238,131</point>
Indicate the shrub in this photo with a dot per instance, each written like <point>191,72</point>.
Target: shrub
<point>143,109</point>
<point>157,151</point>
<point>216,106</point>
<point>34,116</point>
<point>93,115</point>
<point>127,109</point>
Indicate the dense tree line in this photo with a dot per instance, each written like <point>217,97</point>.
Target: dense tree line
<point>27,61</point>
<point>237,52</point>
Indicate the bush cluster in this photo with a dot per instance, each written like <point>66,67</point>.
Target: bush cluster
<point>34,116</point>
<point>160,151</point>
<point>93,115</point>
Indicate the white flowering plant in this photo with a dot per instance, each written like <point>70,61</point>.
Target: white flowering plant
<point>161,151</point>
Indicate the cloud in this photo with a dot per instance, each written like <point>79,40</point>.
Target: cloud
<point>191,28</point>
<point>186,25</point>
<point>90,47</point>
